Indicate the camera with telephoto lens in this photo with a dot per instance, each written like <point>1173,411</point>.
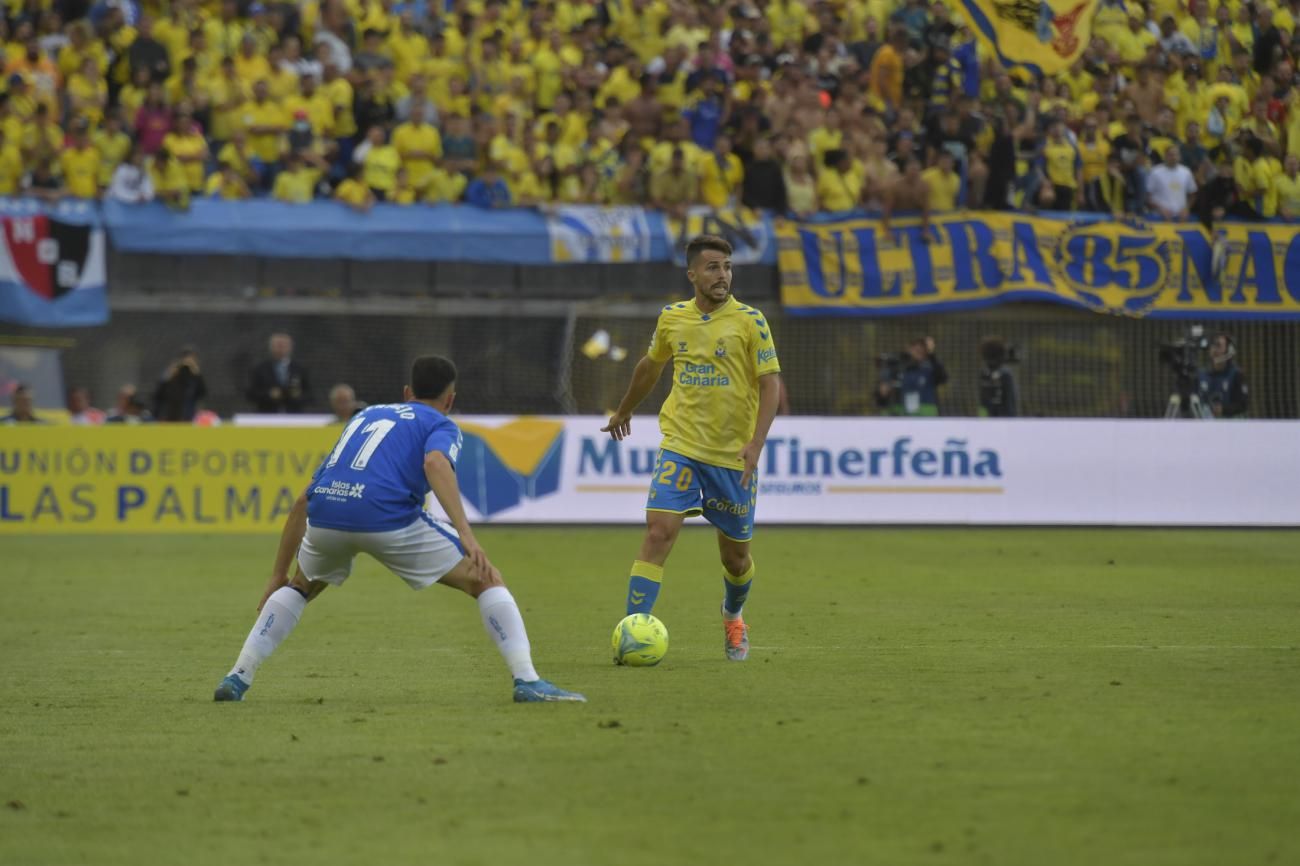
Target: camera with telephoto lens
<point>1183,355</point>
<point>891,365</point>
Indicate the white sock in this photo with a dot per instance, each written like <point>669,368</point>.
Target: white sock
<point>505,625</point>
<point>278,617</point>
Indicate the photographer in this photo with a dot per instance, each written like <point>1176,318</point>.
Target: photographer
<point>910,381</point>
<point>998,395</point>
<point>180,389</point>
<point>1223,386</point>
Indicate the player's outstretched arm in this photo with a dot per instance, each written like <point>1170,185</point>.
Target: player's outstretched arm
<point>644,377</point>
<point>295,526</point>
<point>442,480</point>
<point>769,400</point>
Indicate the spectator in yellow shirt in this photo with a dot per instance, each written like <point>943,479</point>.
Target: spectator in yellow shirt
<point>296,184</point>
<point>1063,167</point>
<point>42,136</point>
<point>228,95</point>
<point>420,147</point>
<point>88,92</point>
<point>787,19</point>
<point>721,175</point>
<point>1286,189</point>
<point>170,183</point>
<point>250,65</point>
<point>186,86</point>
<point>1093,151</point>
<point>187,145</point>
<point>266,123</point>
<point>674,190</point>
<point>81,163</point>
<point>353,193</point>
<point>838,187</point>
<point>339,90</point>
<point>113,145</point>
<point>227,184</point>
<point>311,99</point>
<point>403,193</point>
<point>380,162</point>
<point>11,166</point>
<point>944,183</point>
<point>236,153</point>
<point>446,187</point>
<point>282,81</point>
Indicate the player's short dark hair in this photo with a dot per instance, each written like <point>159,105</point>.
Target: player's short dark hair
<point>700,243</point>
<point>430,376</point>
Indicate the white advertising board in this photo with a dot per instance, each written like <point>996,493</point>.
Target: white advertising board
<point>910,471</point>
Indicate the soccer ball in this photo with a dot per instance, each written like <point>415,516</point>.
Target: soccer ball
<point>639,641</point>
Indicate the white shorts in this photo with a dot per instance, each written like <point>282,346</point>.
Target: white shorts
<point>420,554</point>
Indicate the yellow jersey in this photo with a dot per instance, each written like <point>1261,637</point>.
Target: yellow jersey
<point>81,171</point>
<point>320,111</point>
<point>340,93</point>
<point>1093,154</point>
<point>113,148</point>
<point>409,139</point>
<point>171,179</point>
<point>297,186</point>
<point>11,169</point>
<point>445,186</point>
<point>271,116</point>
<point>218,186</point>
<point>838,191</point>
<point>717,359</point>
<point>184,146</point>
<point>352,192</point>
<point>1063,163</point>
<point>720,179</point>
<point>944,188</point>
<point>1286,194</point>
<point>379,168</point>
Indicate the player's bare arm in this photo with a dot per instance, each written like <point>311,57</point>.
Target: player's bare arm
<point>769,400</point>
<point>295,525</point>
<point>442,480</point>
<point>644,377</point>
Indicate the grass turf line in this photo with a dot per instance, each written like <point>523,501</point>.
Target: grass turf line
<point>913,696</point>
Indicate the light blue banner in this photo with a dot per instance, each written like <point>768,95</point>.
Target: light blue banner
<point>441,233</point>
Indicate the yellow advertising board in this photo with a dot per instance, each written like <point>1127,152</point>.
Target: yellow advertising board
<point>154,478</point>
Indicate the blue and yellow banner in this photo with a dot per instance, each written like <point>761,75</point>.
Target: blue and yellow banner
<point>1043,37</point>
<point>974,259</point>
<point>154,478</point>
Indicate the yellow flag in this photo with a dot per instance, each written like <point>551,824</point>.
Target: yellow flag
<point>1043,37</point>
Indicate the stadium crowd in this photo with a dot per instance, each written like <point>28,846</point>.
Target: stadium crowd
<point>1176,109</point>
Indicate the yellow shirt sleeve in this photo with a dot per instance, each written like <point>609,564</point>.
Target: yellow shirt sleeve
<point>762,346</point>
<point>661,349</point>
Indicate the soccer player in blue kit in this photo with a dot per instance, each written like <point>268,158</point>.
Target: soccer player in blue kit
<point>368,497</point>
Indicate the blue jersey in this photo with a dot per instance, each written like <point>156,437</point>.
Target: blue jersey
<point>373,480</point>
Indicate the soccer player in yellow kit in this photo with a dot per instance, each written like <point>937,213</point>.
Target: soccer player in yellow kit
<point>726,387</point>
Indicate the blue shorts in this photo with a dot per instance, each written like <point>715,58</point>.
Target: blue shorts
<point>681,485</point>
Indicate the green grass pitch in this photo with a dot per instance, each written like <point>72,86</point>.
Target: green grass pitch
<point>954,696</point>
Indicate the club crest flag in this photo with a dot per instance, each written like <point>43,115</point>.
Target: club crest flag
<point>1041,36</point>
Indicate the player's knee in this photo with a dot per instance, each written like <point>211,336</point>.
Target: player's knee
<point>735,562</point>
<point>660,535</point>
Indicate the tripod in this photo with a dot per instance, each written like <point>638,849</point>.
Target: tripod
<point>1187,405</point>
